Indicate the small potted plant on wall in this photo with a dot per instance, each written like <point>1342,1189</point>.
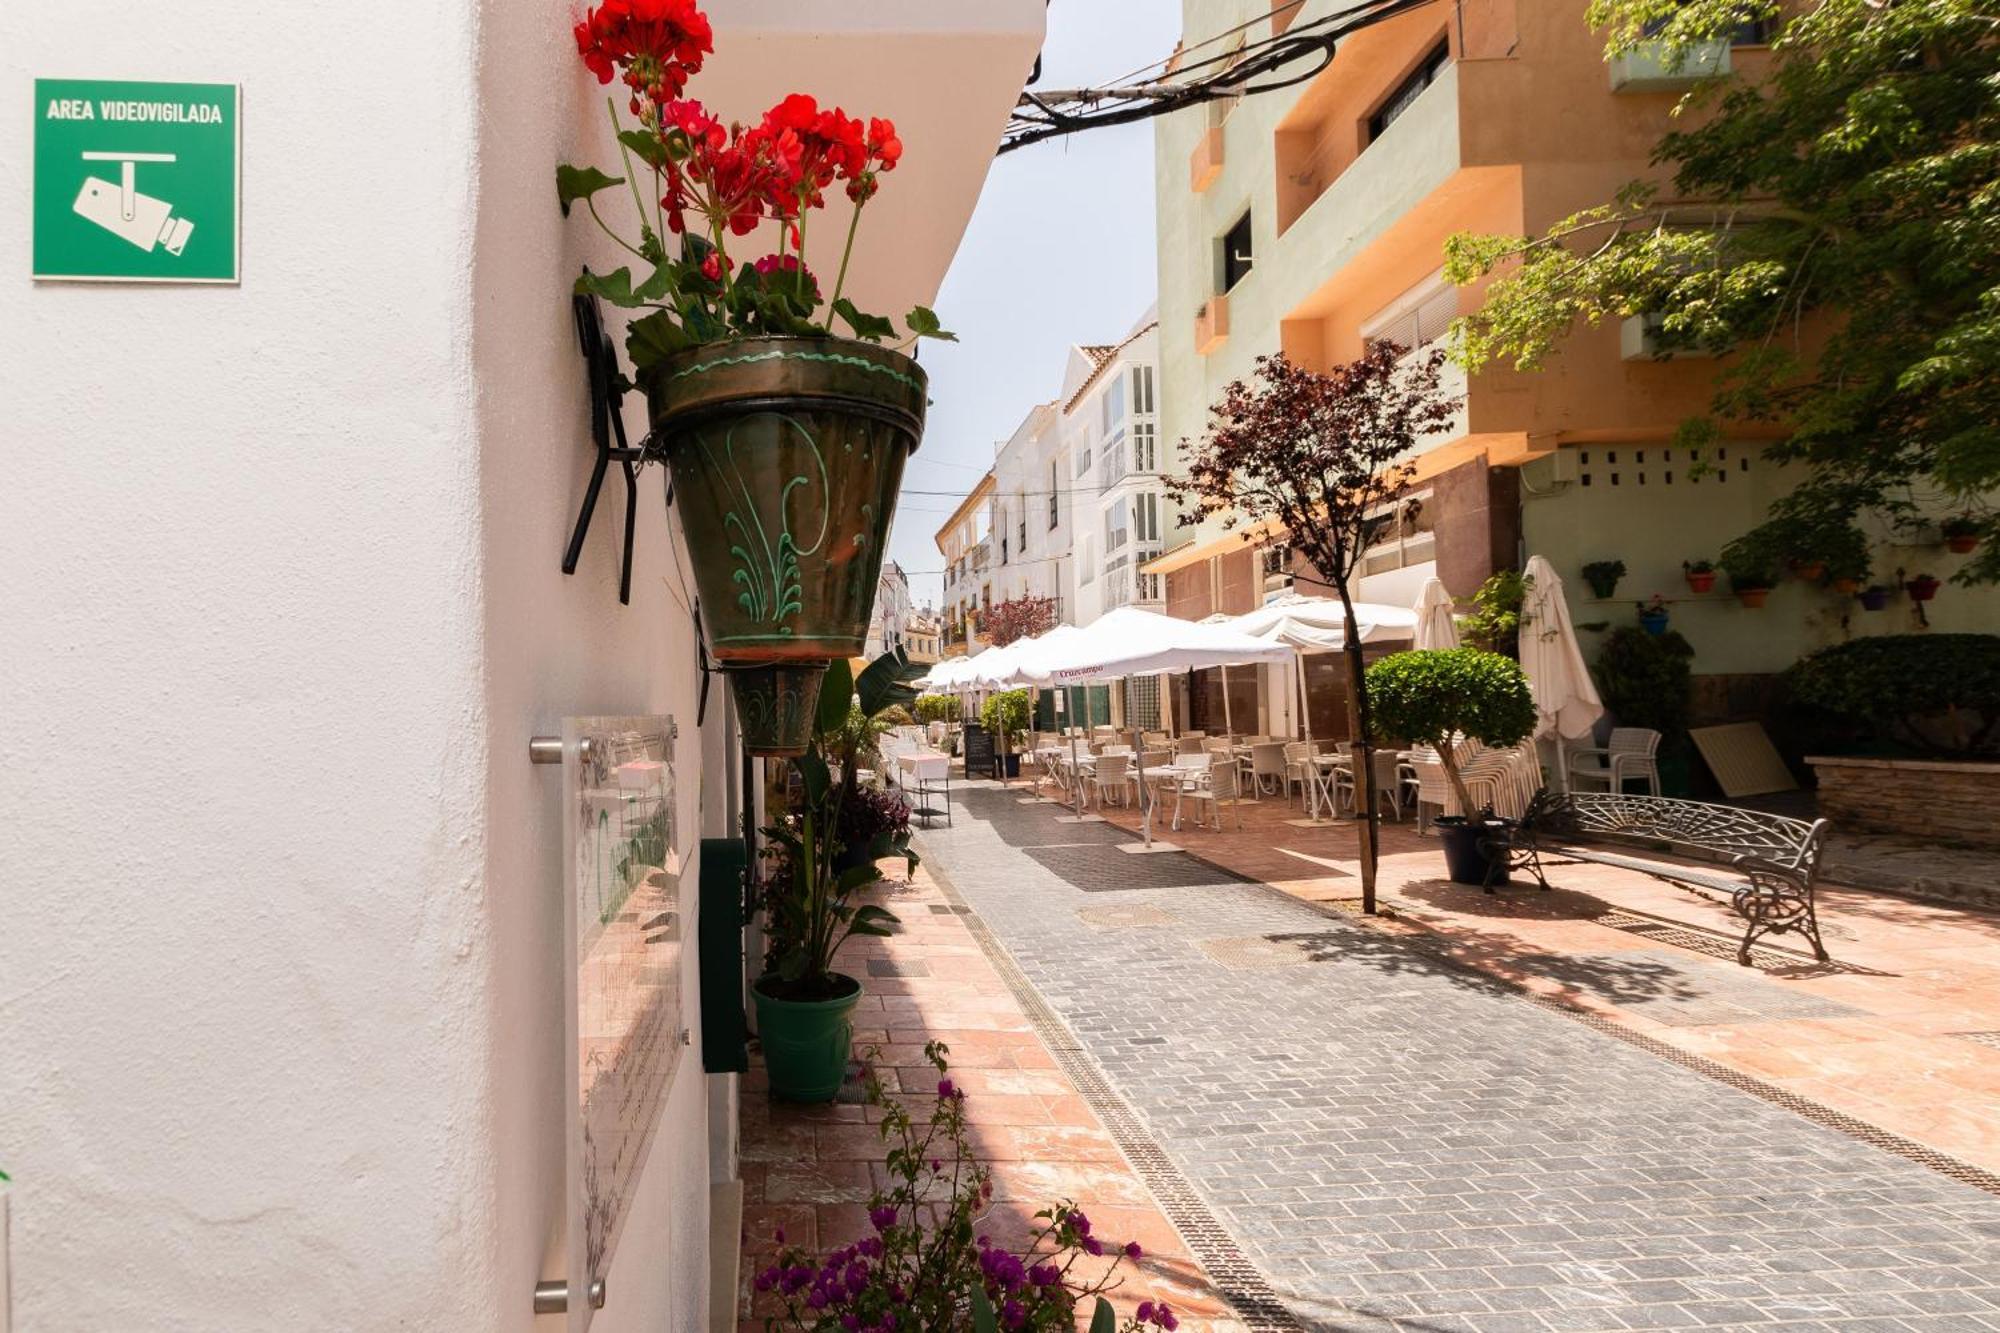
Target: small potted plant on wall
<point>804,1006</point>
<point>1700,574</point>
<point>1922,588</point>
<point>1441,697</point>
<point>786,439</point>
<point>1875,596</point>
<point>1603,576</point>
<point>1961,534</point>
<point>1751,571</point>
<point>1653,615</point>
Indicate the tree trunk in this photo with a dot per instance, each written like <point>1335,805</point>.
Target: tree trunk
<point>1363,751</point>
<point>1448,758</point>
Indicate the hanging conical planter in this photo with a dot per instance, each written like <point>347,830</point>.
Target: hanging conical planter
<point>787,454</point>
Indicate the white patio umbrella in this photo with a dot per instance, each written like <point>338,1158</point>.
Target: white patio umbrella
<point>1319,625</point>
<point>1566,698</point>
<point>1132,642</point>
<point>1436,628</point>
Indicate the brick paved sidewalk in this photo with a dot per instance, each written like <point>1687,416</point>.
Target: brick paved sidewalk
<point>1904,1032</point>
<point>809,1169</point>
<point>1399,1141</point>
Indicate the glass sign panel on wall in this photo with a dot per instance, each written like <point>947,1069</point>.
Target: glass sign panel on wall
<point>624,929</point>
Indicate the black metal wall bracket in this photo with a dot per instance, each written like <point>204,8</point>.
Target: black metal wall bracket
<point>607,422</point>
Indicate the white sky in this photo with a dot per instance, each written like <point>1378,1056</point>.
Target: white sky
<point>1060,251</point>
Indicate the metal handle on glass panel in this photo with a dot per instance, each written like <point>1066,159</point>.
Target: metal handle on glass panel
<point>549,749</point>
<point>552,1297</point>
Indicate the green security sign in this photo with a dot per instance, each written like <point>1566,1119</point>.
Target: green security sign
<point>137,182</point>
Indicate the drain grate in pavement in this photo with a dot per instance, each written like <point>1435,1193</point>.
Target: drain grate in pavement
<point>1108,870</point>
<point>1229,1271</point>
<point>1254,951</point>
<point>1124,916</point>
<point>1764,956</point>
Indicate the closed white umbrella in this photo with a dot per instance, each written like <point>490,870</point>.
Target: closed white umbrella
<point>1566,698</point>
<point>1435,626</point>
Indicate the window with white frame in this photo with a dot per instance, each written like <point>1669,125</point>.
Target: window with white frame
<point>1399,535</point>
<point>1111,405</point>
<point>1086,567</point>
<point>1146,516</point>
<point>1142,390</point>
<point>1117,524</point>
<point>1082,469</point>
<point>1145,447</point>
<point>1111,462</point>
<point>1421,315</point>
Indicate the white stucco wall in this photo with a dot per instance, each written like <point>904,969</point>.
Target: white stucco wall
<point>280,989</point>
<point>246,980</point>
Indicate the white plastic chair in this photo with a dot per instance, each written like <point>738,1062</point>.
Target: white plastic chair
<point>1219,783</point>
<point>1113,774</point>
<point>1632,752</point>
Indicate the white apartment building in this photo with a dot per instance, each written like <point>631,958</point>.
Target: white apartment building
<point>965,542</point>
<point>1113,461</point>
<point>889,623</point>
<point>1031,515</point>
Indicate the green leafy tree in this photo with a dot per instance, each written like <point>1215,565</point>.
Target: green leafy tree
<point>1434,696</point>
<point>1495,622</point>
<point>1647,681</point>
<point>1832,229</point>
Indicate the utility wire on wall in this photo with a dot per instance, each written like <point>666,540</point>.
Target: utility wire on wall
<point>1198,73</point>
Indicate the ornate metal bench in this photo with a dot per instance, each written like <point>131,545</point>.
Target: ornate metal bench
<point>1775,860</point>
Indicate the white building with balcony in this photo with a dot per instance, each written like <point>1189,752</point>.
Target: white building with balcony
<point>1113,461</point>
<point>1031,513</point>
<point>889,622</point>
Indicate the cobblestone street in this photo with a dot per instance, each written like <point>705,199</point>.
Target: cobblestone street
<point>1397,1140</point>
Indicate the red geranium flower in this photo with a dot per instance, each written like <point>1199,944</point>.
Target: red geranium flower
<point>658,43</point>
<point>880,151</point>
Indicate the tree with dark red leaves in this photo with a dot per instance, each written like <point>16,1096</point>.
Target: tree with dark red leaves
<point>1020,617</point>
<point>1328,458</point>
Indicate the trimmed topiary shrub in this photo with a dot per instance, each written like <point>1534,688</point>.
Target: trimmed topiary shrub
<point>938,708</point>
<point>1432,695</point>
<point>1932,693</point>
<point>1006,712</point>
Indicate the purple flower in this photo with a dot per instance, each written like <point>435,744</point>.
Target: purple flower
<point>1093,1246</point>
<point>1080,1222</point>
<point>1043,1275</point>
<point>883,1218</point>
<point>946,1088</point>
<point>851,1322</point>
<point>1144,1314</point>
<point>1012,1315</point>
<point>779,1235</point>
<point>1132,1250</point>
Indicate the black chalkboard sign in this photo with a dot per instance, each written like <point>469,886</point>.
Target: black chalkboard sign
<point>978,751</point>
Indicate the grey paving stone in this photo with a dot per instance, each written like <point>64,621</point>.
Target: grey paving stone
<point>1399,1143</point>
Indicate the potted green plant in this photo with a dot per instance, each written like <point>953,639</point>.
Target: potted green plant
<point>1495,622</point>
<point>1437,696</point>
<point>1752,570</point>
<point>1700,574</point>
<point>1961,534</point>
<point>1653,615</point>
<point>1006,715</point>
<point>1646,680</point>
<point>1603,576</point>
<point>804,1006</point>
<point>786,440</point>
<point>1922,588</point>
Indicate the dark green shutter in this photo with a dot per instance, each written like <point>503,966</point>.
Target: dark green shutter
<point>724,1038</point>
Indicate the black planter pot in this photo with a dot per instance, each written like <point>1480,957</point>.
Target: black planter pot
<point>1010,764</point>
<point>848,858</point>
<point>1463,859</point>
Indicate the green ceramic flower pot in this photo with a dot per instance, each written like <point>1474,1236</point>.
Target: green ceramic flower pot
<point>806,1042</point>
<point>775,704</point>
<point>787,454</point>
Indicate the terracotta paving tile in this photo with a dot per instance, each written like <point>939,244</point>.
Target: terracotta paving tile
<point>810,1169</point>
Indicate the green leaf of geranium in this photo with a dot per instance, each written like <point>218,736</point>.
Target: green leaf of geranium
<point>923,322</point>
<point>1103,1319</point>
<point>574,183</point>
<point>653,338</point>
<point>648,147</point>
<point>615,286</point>
<point>869,328</point>
<point>983,1320</point>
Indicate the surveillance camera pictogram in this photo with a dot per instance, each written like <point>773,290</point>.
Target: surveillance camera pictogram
<point>121,210</point>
